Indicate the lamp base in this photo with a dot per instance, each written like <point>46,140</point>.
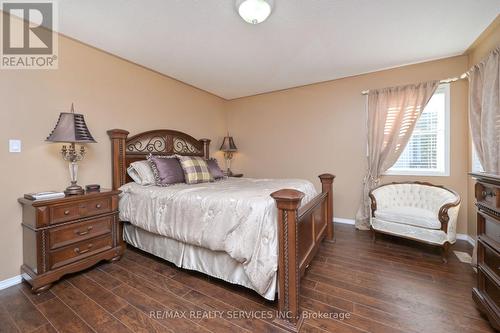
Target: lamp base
<point>74,189</point>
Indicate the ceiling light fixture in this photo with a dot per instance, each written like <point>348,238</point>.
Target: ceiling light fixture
<point>254,11</point>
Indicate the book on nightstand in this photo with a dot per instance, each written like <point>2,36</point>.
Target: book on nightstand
<point>44,195</point>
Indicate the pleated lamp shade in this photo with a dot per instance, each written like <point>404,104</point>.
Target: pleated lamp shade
<point>228,144</point>
<point>71,127</point>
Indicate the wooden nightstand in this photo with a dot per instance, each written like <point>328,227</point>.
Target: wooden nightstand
<point>66,235</point>
<point>236,175</point>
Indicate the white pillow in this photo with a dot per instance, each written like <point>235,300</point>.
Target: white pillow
<point>141,173</point>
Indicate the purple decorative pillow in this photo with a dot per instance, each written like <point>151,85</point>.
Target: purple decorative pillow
<point>214,169</point>
<point>167,170</point>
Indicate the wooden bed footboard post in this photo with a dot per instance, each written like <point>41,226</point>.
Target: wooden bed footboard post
<point>118,138</point>
<point>327,187</point>
<point>288,202</point>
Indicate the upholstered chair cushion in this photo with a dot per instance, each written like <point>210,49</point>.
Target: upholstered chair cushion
<point>418,217</point>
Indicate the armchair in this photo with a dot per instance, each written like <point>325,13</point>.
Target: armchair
<point>420,211</point>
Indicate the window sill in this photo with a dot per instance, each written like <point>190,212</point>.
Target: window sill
<point>416,173</point>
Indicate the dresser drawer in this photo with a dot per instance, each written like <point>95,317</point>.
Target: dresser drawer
<point>488,194</point>
<point>78,251</point>
<point>72,211</point>
<point>73,233</point>
<point>488,228</point>
<point>490,258</point>
<point>492,291</point>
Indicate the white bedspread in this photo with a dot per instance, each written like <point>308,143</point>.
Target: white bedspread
<point>236,216</point>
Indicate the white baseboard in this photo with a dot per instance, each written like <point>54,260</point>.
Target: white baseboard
<point>343,221</point>
<point>467,238</point>
<point>464,237</point>
<point>10,282</point>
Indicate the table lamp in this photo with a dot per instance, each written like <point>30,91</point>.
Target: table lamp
<point>71,128</point>
<point>228,147</point>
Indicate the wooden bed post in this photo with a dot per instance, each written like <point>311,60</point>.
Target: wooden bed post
<point>327,187</point>
<point>206,148</point>
<point>288,202</point>
<point>118,138</point>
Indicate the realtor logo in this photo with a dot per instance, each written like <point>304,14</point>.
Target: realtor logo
<point>28,38</point>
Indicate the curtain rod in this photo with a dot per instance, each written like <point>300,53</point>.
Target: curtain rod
<point>451,79</point>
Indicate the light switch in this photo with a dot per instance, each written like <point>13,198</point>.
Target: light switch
<point>14,146</point>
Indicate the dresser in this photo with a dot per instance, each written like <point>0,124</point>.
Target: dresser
<point>67,235</point>
<point>487,293</point>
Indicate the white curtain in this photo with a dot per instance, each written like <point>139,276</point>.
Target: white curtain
<point>484,114</point>
<point>484,111</point>
<point>392,115</point>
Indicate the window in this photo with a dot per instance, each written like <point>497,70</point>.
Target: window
<point>428,150</point>
<point>476,164</point>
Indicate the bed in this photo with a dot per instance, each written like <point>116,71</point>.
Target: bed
<point>224,229</point>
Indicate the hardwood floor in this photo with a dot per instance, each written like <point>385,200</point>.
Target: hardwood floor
<point>357,286</point>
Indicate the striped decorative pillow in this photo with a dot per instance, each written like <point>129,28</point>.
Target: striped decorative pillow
<point>195,169</point>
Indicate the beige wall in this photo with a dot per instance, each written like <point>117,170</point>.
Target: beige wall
<point>111,93</point>
<point>305,131</point>
<point>488,40</point>
<point>299,132</point>
<point>324,123</point>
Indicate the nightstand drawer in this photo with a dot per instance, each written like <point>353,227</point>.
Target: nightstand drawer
<point>77,251</point>
<point>63,213</point>
<point>96,207</point>
<point>68,212</point>
<point>73,233</point>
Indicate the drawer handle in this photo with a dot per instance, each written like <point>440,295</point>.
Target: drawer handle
<point>98,206</point>
<point>66,212</point>
<point>488,194</point>
<point>81,233</point>
<point>78,251</point>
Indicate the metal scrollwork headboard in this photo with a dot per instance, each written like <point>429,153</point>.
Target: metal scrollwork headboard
<point>126,150</point>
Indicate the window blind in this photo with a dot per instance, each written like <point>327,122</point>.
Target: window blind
<point>425,150</point>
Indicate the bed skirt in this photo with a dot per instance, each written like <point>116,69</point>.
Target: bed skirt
<point>214,263</point>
